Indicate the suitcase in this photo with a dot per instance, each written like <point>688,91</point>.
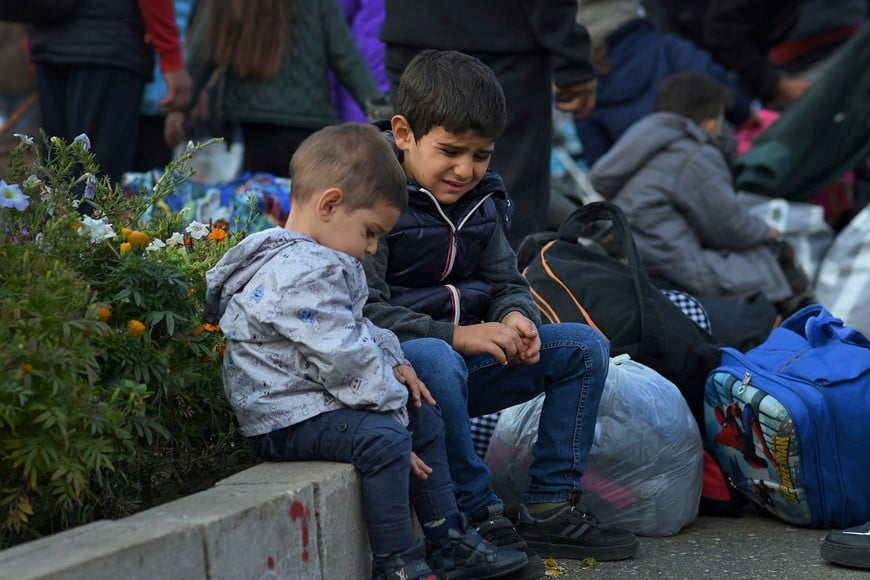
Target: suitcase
<point>789,421</point>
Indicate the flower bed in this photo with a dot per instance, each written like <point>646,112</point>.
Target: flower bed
<point>110,385</point>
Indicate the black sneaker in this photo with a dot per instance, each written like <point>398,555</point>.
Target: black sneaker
<point>574,534</point>
<point>466,555</point>
<point>409,565</point>
<point>849,547</point>
<point>497,529</point>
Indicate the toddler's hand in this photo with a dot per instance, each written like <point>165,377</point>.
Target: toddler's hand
<point>418,392</point>
<point>419,467</point>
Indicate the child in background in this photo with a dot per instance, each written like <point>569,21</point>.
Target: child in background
<point>673,182</point>
<point>310,378</point>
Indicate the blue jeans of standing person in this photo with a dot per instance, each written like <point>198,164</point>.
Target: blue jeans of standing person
<point>573,366</point>
<point>380,447</point>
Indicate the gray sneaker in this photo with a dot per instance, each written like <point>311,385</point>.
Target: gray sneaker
<point>575,534</point>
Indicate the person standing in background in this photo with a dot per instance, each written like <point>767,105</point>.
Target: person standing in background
<point>531,47</point>
<point>152,151</point>
<point>277,55</point>
<point>92,67</point>
<point>365,18</point>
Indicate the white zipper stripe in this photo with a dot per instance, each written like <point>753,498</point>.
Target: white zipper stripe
<point>455,297</point>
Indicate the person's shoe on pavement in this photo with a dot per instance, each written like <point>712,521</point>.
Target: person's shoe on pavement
<point>567,531</point>
<point>464,554</point>
<point>491,523</point>
<point>409,565</point>
<point>848,547</point>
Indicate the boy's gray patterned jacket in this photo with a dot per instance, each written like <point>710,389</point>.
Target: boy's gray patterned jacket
<point>297,342</point>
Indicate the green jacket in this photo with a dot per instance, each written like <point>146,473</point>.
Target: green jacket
<point>299,95</point>
<point>826,132</point>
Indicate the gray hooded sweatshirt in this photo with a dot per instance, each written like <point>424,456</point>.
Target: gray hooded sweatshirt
<point>676,190</point>
<point>297,342</point>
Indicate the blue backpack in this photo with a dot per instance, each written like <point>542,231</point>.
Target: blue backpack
<point>789,421</point>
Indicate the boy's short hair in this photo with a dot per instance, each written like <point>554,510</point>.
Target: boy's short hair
<point>453,90</point>
<point>695,95</point>
<point>353,157</point>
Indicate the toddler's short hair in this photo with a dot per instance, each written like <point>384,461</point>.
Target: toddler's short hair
<point>354,157</point>
<point>695,95</point>
<point>452,90</point>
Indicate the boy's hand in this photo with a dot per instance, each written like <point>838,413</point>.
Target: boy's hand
<point>416,389</point>
<point>531,351</point>
<point>419,467</point>
<point>495,338</point>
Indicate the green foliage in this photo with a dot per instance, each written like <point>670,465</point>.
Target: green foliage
<point>111,396</point>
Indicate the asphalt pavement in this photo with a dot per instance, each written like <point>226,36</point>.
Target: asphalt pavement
<point>752,546</point>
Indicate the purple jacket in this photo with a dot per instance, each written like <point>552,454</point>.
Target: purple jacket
<point>365,18</point>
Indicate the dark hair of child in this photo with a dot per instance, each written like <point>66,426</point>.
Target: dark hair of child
<point>452,90</point>
<point>695,95</point>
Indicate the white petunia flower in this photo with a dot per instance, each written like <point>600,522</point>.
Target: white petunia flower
<point>176,239</point>
<point>97,229</point>
<point>197,230</point>
<point>156,244</point>
<point>83,140</point>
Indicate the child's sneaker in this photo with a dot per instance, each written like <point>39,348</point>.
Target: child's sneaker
<point>495,528</point>
<point>574,534</point>
<point>849,547</point>
<point>466,555</point>
<point>409,565</point>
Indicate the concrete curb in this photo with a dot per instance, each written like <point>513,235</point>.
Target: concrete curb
<point>300,520</point>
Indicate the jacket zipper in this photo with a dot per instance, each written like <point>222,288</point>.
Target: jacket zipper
<point>453,248</point>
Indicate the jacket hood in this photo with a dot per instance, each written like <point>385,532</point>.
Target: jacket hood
<point>238,266</point>
<point>643,140</point>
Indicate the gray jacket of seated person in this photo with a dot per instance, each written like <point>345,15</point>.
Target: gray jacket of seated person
<point>676,189</point>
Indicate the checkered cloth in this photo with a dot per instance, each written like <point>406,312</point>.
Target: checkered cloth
<point>690,307</point>
<point>482,429</point>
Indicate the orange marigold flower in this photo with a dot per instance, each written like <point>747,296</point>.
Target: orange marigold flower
<point>126,247</point>
<point>126,232</point>
<point>212,327</point>
<point>217,234</point>
<point>26,368</point>
<point>135,328</point>
<point>220,349</point>
<point>139,238</point>
<point>104,313</point>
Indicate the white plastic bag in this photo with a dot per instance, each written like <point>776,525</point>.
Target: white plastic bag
<point>644,471</point>
<point>843,284</point>
<point>802,225</point>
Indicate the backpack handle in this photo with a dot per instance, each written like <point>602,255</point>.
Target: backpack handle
<point>825,328</point>
<point>604,223</point>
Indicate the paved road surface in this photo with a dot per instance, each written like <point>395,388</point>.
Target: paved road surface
<point>753,546</point>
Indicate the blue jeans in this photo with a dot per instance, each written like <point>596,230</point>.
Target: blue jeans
<point>573,366</point>
<point>380,447</point>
